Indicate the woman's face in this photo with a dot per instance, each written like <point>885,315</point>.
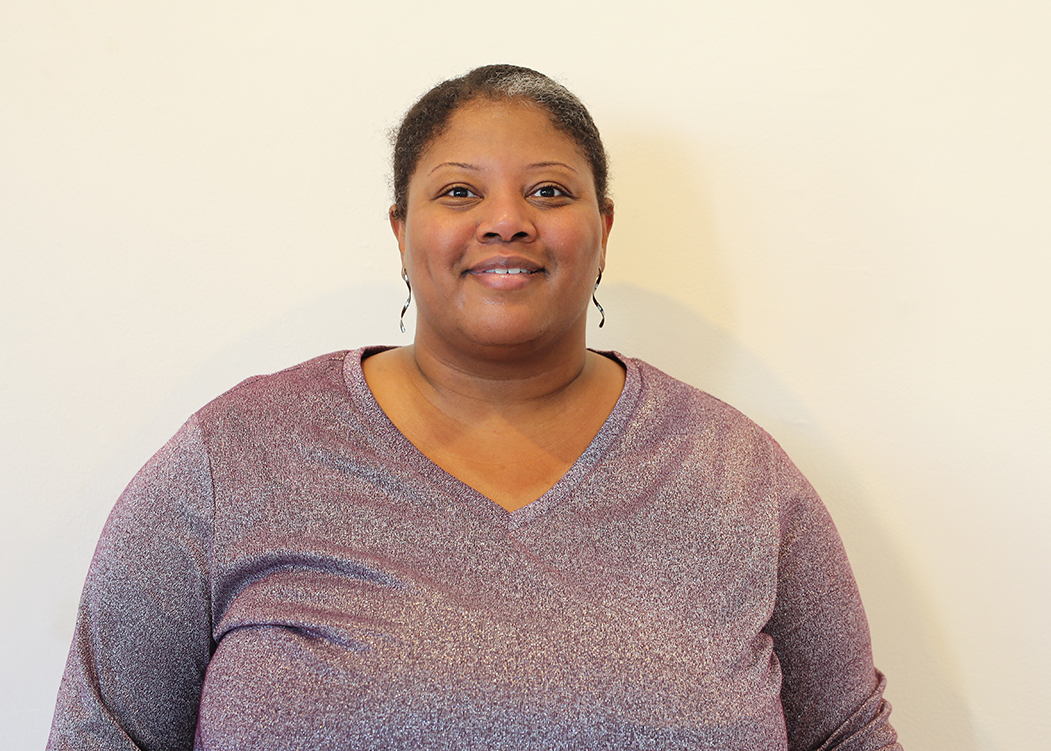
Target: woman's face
<point>503,237</point>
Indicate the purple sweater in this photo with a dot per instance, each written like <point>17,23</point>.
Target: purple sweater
<point>289,572</point>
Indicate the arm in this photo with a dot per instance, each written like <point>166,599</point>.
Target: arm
<point>143,636</point>
<point>831,693</point>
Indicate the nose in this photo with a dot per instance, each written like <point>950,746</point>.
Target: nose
<point>506,218</point>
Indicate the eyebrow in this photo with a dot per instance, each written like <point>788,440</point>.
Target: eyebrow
<point>476,168</point>
<point>462,165</point>
<point>551,164</point>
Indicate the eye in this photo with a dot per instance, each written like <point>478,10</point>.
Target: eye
<point>459,191</point>
<point>550,191</point>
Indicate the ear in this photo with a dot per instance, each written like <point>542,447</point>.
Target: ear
<point>398,227</point>
<point>607,225</point>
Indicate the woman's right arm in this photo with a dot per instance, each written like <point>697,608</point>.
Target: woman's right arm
<point>144,629</point>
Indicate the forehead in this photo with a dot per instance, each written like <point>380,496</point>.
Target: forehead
<point>501,129</point>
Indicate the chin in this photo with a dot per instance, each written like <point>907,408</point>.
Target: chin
<point>508,338</point>
<point>523,336</point>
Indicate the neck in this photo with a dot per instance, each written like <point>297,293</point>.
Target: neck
<point>498,377</point>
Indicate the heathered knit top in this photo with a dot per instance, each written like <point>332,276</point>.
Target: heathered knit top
<point>290,572</point>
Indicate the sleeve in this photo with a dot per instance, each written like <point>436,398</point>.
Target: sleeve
<point>143,636</point>
<point>831,692</point>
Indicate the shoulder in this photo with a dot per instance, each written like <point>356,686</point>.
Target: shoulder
<point>707,439</point>
<point>314,392</point>
<point>330,378</point>
<point>683,409</point>
<point>315,375</point>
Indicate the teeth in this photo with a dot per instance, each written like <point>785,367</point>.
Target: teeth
<point>507,271</point>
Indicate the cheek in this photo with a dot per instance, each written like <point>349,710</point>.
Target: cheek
<point>429,242</point>
<point>579,242</point>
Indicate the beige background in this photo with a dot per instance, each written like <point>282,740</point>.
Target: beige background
<point>834,215</point>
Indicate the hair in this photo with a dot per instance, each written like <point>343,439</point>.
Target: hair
<point>429,117</point>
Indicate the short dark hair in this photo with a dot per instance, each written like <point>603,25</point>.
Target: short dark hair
<point>428,118</point>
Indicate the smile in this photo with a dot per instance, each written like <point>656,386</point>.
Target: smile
<point>508,271</point>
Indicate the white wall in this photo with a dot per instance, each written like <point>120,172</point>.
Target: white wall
<point>834,215</point>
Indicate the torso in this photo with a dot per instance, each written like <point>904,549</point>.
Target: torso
<point>513,455</point>
<point>389,606</point>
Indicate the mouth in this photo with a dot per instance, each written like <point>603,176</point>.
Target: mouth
<point>505,273</point>
<point>505,266</point>
<point>514,270</point>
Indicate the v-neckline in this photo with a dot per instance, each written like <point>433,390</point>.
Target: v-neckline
<point>562,490</point>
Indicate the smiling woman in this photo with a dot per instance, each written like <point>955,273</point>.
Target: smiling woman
<point>491,538</point>
<point>502,239</point>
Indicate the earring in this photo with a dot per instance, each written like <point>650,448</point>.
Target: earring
<point>401,319</point>
<point>594,300</point>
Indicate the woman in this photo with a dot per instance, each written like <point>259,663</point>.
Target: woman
<point>492,538</point>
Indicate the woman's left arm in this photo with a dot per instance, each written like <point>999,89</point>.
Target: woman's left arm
<point>831,692</point>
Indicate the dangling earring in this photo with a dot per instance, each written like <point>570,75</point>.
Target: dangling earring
<point>600,310</point>
<point>401,319</point>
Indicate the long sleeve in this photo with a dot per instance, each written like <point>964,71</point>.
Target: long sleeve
<point>831,693</point>
<point>143,635</point>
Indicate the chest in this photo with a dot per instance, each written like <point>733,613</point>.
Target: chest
<point>398,618</point>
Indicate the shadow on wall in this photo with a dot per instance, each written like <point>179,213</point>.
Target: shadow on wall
<point>922,677</point>
<point>666,220</point>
